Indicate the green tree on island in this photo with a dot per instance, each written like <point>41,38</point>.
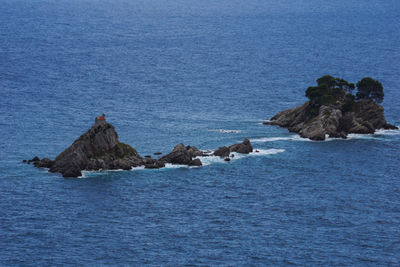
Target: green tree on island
<point>335,111</point>
<point>337,88</point>
<point>328,91</point>
<point>369,88</point>
<point>331,90</point>
<point>336,83</point>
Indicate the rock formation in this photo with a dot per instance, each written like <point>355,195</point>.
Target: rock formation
<point>364,118</point>
<point>182,154</point>
<point>97,149</point>
<point>244,148</point>
<point>100,149</point>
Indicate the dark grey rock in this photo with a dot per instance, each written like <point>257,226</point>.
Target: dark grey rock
<point>342,135</point>
<point>243,148</point>
<point>35,159</point>
<point>153,164</point>
<point>182,154</point>
<point>196,162</point>
<point>96,149</point>
<point>388,126</point>
<point>43,163</point>
<point>222,152</point>
<point>72,172</point>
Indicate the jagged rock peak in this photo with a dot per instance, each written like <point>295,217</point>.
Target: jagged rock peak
<point>98,148</point>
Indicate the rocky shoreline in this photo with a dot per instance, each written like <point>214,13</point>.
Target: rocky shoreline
<point>99,149</point>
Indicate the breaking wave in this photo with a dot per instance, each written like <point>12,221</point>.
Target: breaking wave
<point>261,152</point>
<point>387,132</point>
<point>378,135</point>
<point>278,138</point>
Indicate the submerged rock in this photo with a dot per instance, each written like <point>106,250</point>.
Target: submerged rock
<point>365,117</point>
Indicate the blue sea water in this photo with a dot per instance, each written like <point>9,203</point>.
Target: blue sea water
<point>205,73</point>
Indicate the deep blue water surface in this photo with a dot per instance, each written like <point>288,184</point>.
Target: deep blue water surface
<point>167,72</point>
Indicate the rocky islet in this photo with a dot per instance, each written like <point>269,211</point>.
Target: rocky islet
<point>335,114</point>
<point>100,149</point>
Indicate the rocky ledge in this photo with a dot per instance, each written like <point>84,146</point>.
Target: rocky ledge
<point>100,149</point>
<point>331,112</point>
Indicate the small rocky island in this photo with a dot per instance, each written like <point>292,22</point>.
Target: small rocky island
<point>333,110</point>
<point>99,149</point>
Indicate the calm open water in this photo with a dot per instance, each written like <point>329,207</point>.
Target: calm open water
<point>167,72</point>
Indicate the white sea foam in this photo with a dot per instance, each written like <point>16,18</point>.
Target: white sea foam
<point>211,160</point>
<point>175,166</point>
<point>87,174</point>
<point>387,132</point>
<point>261,152</point>
<point>279,138</point>
<point>355,136</point>
<point>377,135</point>
<point>271,151</point>
<point>137,168</point>
<point>225,131</point>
